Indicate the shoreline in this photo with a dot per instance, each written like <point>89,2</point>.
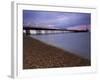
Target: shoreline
<point>37,54</point>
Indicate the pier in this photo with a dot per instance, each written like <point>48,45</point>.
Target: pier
<point>28,30</point>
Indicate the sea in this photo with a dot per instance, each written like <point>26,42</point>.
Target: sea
<point>78,43</point>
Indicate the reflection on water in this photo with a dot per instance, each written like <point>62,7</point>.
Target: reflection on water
<point>77,43</point>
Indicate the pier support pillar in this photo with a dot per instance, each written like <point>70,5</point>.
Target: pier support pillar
<point>27,32</point>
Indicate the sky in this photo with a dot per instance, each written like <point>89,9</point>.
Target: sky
<point>53,19</point>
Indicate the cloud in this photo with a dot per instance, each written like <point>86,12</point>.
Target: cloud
<point>80,27</point>
<point>54,19</point>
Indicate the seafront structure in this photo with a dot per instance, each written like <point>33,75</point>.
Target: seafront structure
<point>34,30</point>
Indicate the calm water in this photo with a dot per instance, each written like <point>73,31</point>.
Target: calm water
<point>77,43</point>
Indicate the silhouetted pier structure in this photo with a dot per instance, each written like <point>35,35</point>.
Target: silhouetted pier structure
<point>46,30</point>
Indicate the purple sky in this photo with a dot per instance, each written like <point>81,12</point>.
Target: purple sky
<point>55,19</point>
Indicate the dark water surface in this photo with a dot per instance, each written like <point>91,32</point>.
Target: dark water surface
<point>77,43</point>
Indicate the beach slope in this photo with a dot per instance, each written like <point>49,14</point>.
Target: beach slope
<point>37,54</point>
